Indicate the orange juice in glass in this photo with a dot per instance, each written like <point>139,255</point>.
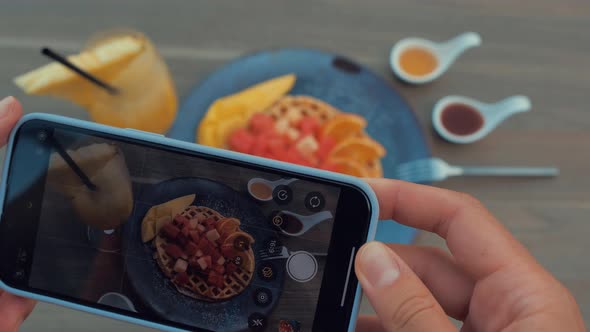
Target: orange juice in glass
<point>106,205</point>
<point>109,204</point>
<point>126,60</point>
<point>147,99</point>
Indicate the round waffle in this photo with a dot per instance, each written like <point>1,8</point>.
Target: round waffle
<point>201,213</point>
<point>302,106</point>
<point>197,286</point>
<point>293,107</point>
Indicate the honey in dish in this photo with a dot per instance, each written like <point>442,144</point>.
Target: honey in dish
<point>418,61</point>
<point>261,190</point>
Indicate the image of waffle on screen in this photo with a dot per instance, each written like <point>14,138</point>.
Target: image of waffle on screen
<point>182,238</point>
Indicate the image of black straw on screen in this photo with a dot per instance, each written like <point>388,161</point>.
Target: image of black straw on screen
<point>72,164</point>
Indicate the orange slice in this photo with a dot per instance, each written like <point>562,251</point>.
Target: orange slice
<point>360,149</point>
<point>350,167</point>
<point>344,125</point>
<point>228,226</point>
<point>239,234</point>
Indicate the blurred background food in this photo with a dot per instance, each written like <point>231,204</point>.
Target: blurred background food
<point>124,59</point>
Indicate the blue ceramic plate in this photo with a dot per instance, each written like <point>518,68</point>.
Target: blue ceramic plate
<point>333,79</point>
<point>158,293</point>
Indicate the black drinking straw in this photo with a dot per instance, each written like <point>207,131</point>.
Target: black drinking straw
<point>62,152</point>
<point>61,59</point>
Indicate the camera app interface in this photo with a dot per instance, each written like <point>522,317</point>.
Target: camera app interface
<point>179,238</point>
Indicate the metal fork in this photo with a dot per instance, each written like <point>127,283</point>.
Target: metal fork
<point>436,169</point>
<point>284,254</point>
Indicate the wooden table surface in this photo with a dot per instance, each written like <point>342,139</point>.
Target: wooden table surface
<point>539,48</point>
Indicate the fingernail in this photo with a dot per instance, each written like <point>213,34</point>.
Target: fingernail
<point>377,265</point>
<point>4,106</point>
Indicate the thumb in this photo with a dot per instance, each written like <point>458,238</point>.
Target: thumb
<point>13,310</point>
<point>401,300</point>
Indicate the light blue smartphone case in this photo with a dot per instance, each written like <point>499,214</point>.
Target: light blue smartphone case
<point>145,136</point>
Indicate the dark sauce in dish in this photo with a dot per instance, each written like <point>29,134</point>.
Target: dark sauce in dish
<point>289,223</point>
<point>461,119</point>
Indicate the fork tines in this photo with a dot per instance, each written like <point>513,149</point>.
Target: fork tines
<point>265,254</point>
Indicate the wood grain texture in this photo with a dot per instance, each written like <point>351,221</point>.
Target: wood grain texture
<point>538,48</point>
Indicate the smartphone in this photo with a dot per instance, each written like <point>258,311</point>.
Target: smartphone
<point>177,236</point>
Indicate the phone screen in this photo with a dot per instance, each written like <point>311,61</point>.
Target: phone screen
<point>184,239</point>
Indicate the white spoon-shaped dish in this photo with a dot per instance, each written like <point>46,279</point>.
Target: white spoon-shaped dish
<point>271,185</point>
<point>445,53</point>
<point>492,115</point>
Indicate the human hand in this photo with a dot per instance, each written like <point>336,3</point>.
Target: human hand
<point>489,281</point>
<point>13,309</point>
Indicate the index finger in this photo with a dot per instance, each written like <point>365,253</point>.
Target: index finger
<point>10,112</point>
<point>479,243</point>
